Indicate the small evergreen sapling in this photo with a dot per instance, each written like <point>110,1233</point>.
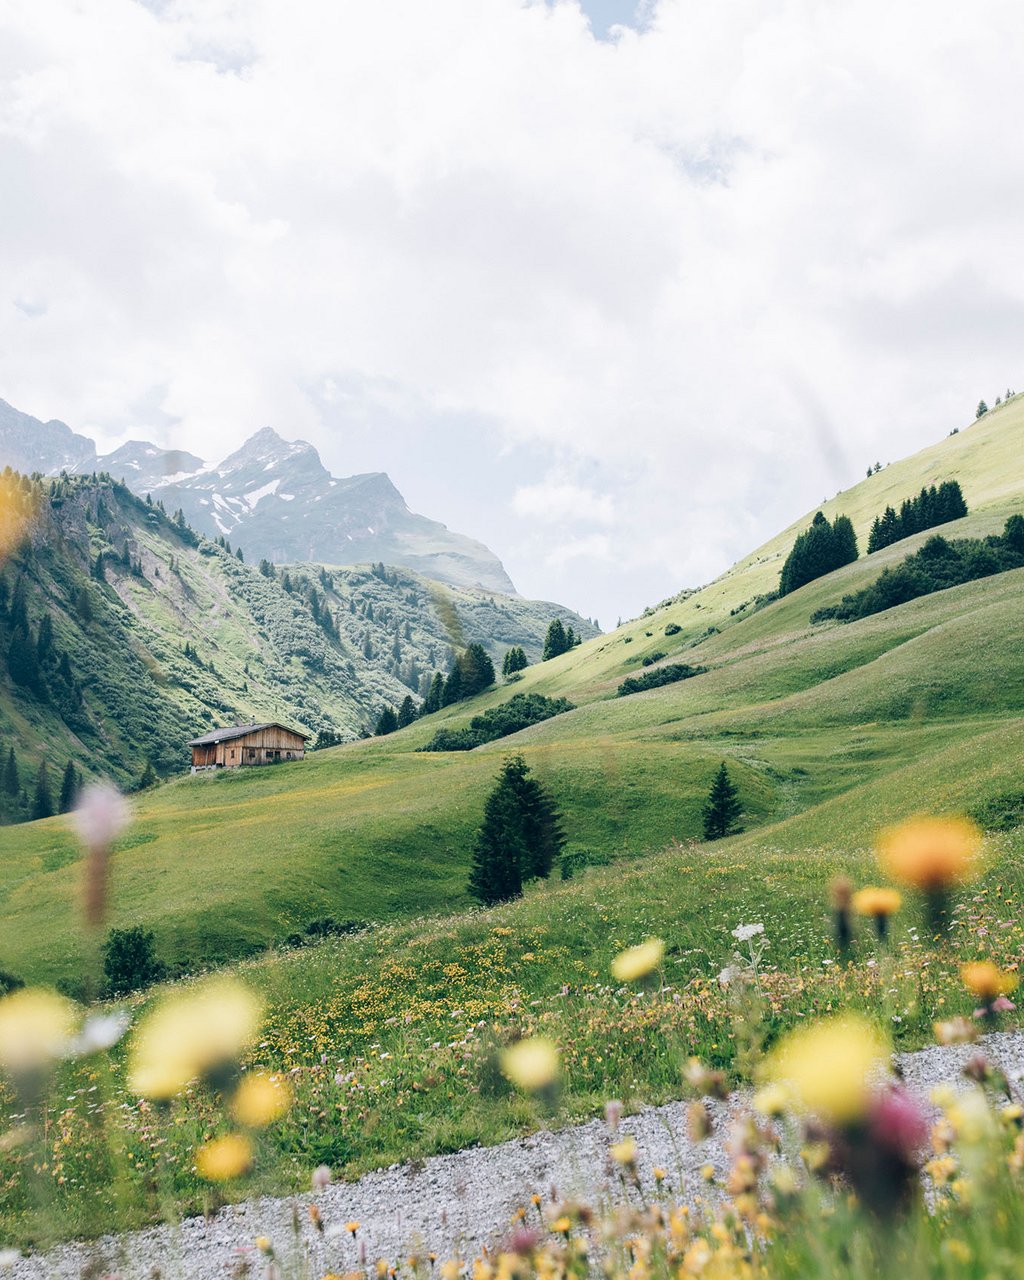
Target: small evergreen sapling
<point>723,807</point>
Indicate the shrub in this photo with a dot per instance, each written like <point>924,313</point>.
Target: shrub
<point>673,629</point>
<point>521,710</point>
<point>573,861</point>
<point>9,982</point>
<point>654,679</point>
<point>652,658</point>
<point>129,961</point>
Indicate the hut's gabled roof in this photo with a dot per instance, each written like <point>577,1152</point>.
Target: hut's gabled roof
<point>241,731</point>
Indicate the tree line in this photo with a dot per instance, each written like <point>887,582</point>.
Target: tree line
<point>939,564</point>
<point>931,507</point>
<point>827,546</point>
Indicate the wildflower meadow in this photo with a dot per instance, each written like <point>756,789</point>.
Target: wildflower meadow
<point>288,1073</point>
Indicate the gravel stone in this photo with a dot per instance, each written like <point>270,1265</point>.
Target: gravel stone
<point>453,1205</point>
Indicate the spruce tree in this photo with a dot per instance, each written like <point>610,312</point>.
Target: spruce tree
<point>69,787</point>
<point>22,663</point>
<point>387,722</point>
<point>495,874</point>
<point>12,777</point>
<point>477,670</point>
<point>434,698</point>
<point>148,778</point>
<point>723,807</point>
<point>406,712</point>
<point>521,837</point>
<point>42,805</point>
<point>556,641</point>
<point>515,660</point>
<point>452,687</point>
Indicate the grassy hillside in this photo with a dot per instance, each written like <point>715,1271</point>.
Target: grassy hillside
<point>375,831</point>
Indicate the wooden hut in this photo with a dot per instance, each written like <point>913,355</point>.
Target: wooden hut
<point>247,744</point>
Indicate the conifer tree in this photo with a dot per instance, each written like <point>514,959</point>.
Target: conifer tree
<point>520,839</point>
<point>556,641</point>
<point>387,722</point>
<point>22,662</point>
<point>406,712</point>
<point>12,777</point>
<point>722,808</point>
<point>434,698</point>
<point>148,778</point>
<point>515,660</point>
<point>69,788</point>
<point>452,687</point>
<point>477,670</point>
<point>42,805</point>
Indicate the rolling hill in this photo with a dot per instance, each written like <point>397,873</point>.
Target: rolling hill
<point>828,730</point>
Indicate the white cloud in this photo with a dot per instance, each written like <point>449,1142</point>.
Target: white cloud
<point>554,502</point>
<point>704,269</point>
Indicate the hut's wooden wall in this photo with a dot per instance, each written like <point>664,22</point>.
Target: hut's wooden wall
<point>263,746</point>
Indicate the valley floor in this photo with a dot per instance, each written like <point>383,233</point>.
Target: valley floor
<point>453,1206</point>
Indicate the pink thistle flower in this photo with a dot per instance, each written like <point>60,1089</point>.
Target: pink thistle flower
<point>897,1121</point>
<point>100,816</point>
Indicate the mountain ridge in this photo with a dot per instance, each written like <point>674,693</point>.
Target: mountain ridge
<point>273,496</point>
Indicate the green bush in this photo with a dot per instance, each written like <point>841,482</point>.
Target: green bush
<point>519,712</point>
<point>129,961</point>
<point>652,658</point>
<point>654,679</point>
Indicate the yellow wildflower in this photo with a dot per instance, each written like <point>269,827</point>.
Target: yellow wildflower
<point>875,902</point>
<point>36,1027</point>
<point>623,1152</point>
<point>638,962</point>
<point>263,1244</point>
<point>832,1067</point>
<point>985,980</point>
<point>224,1158</point>
<point>190,1033</point>
<point>772,1100</point>
<point>531,1064</point>
<point>260,1100</point>
<point>931,854</point>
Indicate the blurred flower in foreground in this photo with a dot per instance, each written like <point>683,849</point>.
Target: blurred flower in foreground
<point>100,816</point>
<point>531,1064</point>
<point>832,1069</point>
<point>878,905</point>
<point>224,1158</point>
<point>100,1031</point>
<point>192,1033</point>
<point>260,1100</point>
<point>991,985</point>
<point>841,893</point>
<point>933,855</point>
<point>36,1027</point>
<point>955,1031</point>
<point>638,962</point>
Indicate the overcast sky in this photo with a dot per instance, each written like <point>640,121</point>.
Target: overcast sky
<point>619,289</point>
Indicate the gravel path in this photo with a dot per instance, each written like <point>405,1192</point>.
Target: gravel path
<point>450,1205</point>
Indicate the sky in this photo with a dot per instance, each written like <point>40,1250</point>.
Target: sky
<point>619,289</point>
